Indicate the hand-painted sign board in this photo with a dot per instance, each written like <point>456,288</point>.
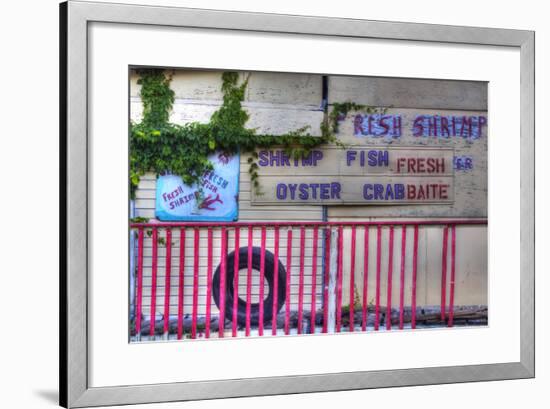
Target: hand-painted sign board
<point>357,175</point>
<point>394,125</point>
<point>176,201</point>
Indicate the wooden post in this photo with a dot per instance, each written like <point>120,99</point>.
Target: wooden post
<point>332,282</point>
<point>133,271</point>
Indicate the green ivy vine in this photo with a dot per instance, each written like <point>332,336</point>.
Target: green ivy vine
<point>341,109</point>
<point>159,146</point>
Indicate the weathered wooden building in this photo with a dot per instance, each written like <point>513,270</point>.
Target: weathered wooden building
<point>279,103</point>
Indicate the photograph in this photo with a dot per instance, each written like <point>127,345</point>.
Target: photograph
<point>290,204</point>
<point>270,204</point>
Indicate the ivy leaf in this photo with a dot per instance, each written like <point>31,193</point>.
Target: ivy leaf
<point>212,144</point>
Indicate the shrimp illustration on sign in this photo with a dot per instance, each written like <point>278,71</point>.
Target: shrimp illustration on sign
<point>212,199</point>
<point>224,158</point>
<point>209,201</point>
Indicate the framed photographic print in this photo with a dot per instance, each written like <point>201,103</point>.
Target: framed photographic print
<point>258,204</point>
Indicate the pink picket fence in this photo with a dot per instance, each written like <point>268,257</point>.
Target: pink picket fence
<point>225,307</point>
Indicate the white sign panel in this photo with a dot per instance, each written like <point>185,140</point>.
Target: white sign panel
<point>357,175</point>
<point>176,201</point>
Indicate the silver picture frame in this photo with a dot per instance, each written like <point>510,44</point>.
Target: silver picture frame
<point>75,16</point>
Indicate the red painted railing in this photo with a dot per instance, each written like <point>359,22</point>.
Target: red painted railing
<point>325,271</point>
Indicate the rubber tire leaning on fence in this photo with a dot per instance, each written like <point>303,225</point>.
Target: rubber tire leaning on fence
<point>269,269</point>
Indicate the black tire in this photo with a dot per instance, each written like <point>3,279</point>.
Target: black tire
<point>269,269</point>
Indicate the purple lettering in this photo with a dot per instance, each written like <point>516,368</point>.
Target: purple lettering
<point>317,156</point>
<point>285,160</point>
<point>418,127</point>
<point>281,191</point>
<point>399,191</point>
<point>303,191</point>
<point>274,158</point>
<point>292,188</point>
<point>444,126</point>
<point>481,122</point>
<point>373,158</point>
<point>384,125</point>
<point>335,190</point>
<point>383,158</point>
<point>307,160</point>
<point>262,156</point>
<point>389,192</point>
<point>358,124</point>
<point>378,191</point>
<point>350,156</point>
<point>324,191</point>
<point>366,194</point>
<point>396,125</point>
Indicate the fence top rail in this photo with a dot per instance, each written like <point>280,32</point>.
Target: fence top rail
<point>270,224</point>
